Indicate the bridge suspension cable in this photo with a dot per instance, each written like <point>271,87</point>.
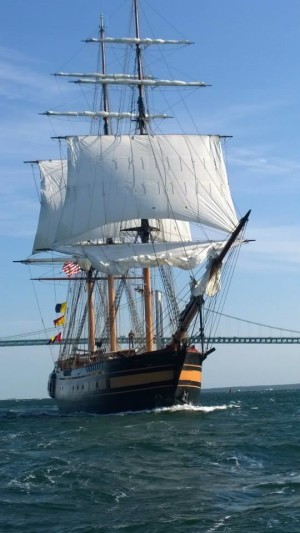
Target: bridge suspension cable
<point>37,338</point>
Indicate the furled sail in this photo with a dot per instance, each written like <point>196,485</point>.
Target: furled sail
<point>117,178</point>
<point>135,40</point>
<point>210,283</point>
<point>103,114</point>
<point>117,259</point>
<point>98,75</point>
<point>144,82</point>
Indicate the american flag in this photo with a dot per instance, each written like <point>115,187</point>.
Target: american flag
<point>70,268</point>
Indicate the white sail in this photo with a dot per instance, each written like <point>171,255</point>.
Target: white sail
<point>169,230</point>
<point>116,259</point>
<point>210,283</point>
<point>53,175</point>
<point>53,184</point>
<point>114,179</point>
<point>165,230</point>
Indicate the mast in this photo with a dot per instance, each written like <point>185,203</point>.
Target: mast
<point>110,279</point>
<point>104,87</point>
<point>91,311</point>
<point>144,222</point>
<point>90,281</point>
<point>141,106</point>
<point>159,319</point>
<point>112,313</point>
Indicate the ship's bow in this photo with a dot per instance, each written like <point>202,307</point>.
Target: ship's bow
<point>190,378</point>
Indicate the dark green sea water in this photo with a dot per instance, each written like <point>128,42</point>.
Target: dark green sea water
<point>231,465</point>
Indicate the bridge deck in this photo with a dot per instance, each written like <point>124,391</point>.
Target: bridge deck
<point>194,340</point>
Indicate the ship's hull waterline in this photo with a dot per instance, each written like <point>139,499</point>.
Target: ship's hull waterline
<point>129,382</point>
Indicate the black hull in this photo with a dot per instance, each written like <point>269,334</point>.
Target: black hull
<point>139,382</point>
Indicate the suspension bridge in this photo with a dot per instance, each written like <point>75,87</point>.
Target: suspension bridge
<point>194,340</point>
<point>271,335</point>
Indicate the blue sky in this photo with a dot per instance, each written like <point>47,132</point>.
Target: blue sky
<point>249,52</point>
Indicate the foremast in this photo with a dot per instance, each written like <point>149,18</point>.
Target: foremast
<point>110,279</point>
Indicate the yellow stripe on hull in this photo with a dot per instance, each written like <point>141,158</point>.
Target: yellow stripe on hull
<point>141,379</point>
<point>190,374</point>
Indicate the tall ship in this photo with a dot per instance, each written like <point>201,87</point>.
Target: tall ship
<point>142,225</point>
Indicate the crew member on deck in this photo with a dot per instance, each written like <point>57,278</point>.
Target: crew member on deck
<point>131,340</point>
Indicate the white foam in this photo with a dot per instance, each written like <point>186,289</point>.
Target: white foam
<point>219,524</point>
<point>196,408</point>
<point>182,408</point>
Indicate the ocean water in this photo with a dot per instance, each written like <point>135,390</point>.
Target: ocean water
<point>231,465</point>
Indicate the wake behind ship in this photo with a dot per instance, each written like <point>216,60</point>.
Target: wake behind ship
<point>141,223</point>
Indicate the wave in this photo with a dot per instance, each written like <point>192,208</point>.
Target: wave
<point>25,410</point>
<point>196,408</point>
<point>181,408</point>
